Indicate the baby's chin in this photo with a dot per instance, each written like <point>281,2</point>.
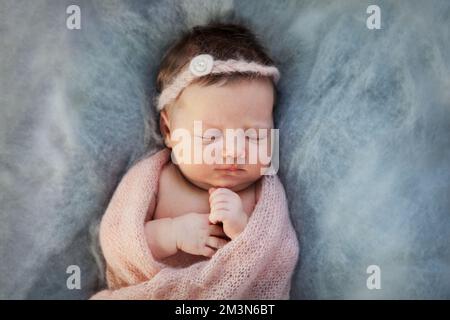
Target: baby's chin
<point>236,187</point>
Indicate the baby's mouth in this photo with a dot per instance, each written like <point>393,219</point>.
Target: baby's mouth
<point>230,168</point>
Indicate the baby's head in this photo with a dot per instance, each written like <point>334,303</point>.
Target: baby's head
<point>217,78</point>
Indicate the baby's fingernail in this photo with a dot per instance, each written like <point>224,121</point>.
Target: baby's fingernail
<point>211,190</point>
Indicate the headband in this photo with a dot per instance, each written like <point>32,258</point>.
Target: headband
<point>204,64</point>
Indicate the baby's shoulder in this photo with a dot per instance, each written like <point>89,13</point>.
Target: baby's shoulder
<point>168,176</point>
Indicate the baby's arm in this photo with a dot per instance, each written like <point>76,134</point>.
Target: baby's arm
<point>161,238</point>
<point>191,233</point>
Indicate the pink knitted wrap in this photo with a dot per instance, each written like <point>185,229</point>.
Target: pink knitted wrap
<point>258,264</point>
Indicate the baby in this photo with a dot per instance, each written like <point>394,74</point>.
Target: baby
<point>200,207</point>
<point>211,221</point>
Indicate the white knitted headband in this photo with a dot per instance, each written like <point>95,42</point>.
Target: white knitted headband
<point>204,64</point>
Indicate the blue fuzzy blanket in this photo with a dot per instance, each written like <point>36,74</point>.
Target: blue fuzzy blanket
<point>364,118</point>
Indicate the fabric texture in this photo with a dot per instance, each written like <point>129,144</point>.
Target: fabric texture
<point>258,264</point>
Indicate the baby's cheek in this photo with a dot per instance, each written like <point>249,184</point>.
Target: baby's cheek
<point>258,151</point>
<point>253,171</point>
<point>194,170</point>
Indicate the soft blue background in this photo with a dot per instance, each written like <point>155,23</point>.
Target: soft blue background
<point>364,118</point>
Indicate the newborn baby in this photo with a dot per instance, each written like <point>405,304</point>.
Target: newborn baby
<point>200,207</point>
<point>211,222</point>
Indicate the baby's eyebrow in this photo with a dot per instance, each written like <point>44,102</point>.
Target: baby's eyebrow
<point>206,124</point>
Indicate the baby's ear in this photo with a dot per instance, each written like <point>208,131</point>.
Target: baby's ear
<point>164,127</point>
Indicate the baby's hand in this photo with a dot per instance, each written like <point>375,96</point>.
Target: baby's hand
<point>195,235</point>
<point>226,207</point>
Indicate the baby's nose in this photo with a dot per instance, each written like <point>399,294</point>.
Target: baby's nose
<point>234,148</point>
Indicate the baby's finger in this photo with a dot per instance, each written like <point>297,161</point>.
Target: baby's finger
<point>216,216</point>
<point>219,198</point>
<point>215,242</point>
<point>220,191</point>
<point>216,230</point>
<point>217,190</point>
<point>220,206</point>
<point>208,252</point>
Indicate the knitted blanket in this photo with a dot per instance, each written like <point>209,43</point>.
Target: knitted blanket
<point>258,264</point>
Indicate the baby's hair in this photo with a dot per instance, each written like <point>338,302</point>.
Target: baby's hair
<point>223,41</point>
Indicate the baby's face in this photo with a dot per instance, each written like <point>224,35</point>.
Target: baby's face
<point>246,104</point>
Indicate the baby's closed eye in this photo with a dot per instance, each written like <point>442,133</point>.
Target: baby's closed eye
<point>208,138</point>
<point>250,134</point>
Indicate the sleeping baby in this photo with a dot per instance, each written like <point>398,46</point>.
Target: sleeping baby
<point>209,195</point>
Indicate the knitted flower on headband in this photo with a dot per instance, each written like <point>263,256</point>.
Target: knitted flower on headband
<point>204,64</point>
